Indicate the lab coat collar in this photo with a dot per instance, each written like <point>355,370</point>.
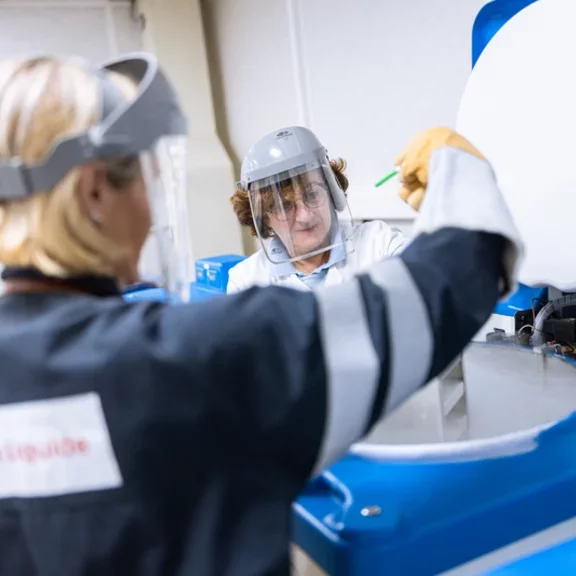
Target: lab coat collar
<point>337,254</point>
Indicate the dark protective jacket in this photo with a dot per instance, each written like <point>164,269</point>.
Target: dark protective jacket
<point>155,440</point>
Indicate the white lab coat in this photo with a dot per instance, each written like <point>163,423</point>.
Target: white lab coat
<point>370,243</point>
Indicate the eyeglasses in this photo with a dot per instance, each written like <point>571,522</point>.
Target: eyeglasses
<point>284,204</point>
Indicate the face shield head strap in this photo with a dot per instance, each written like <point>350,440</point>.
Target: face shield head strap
<point>110,97</point>
<point>126,128</point>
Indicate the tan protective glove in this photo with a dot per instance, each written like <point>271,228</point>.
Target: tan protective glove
<point>413,162</point>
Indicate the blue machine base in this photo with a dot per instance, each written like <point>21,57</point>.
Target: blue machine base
<point>434,516</point>
<point>556,561</point>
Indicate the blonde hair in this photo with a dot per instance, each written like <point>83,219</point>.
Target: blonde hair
<point>43,100</point>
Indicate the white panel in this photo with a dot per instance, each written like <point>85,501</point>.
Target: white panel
<point>379,72</point>
<point>127,29</point>
<point>365,75</point>
<point>175,32</point>
<point>251,46</point>
<point>55,30</point>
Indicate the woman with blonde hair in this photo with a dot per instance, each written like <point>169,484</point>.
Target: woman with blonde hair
<point>159,439</point>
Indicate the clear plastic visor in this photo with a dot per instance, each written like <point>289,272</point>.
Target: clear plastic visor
<point>294,213</point>
<point>166,258</point>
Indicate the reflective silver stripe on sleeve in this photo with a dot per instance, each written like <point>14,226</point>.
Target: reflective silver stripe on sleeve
<point>352,368</point>
<point>410,336</point>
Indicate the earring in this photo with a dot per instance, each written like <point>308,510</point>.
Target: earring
<point>96,217</point>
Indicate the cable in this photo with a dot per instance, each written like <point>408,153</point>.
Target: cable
<point>547,311</point>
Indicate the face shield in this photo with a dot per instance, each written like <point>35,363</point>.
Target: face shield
<point>166,260</point>
<point>152,127</point>
<point>300,212</point>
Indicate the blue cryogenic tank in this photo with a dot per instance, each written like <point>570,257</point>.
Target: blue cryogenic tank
<point>477,461</point>
<point>557,560</point>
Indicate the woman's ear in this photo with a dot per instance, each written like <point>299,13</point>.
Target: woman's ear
<point>92,192</point>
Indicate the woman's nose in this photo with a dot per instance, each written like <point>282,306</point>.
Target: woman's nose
<point>302,211</point>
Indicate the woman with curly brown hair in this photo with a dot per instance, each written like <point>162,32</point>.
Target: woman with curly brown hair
<point>293,198</point>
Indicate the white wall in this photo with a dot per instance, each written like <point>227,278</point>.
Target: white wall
<point>174,30</point>
<point>93,29</point>
<point>366,75</point>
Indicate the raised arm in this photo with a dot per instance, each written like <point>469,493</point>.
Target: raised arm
<point>298,377</point>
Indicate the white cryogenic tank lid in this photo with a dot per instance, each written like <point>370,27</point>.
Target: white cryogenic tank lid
<point>519,109</point>
<point>512,395</point>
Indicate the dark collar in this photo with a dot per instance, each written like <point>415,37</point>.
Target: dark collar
<point>97,285</point>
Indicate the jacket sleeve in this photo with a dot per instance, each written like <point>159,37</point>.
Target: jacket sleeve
<point>297,377</point>
<point>300,376</point>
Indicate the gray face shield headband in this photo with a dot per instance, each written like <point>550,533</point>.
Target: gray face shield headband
<point>126,128</point>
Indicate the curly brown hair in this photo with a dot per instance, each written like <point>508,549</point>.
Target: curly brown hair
<point>241,202</point>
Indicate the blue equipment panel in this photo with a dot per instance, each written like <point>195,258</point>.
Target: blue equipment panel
<point>525,298</point>
<point>197,294</point>
<point>211,281</point>
<point>212,273</point>
<point>557,561</point>
<point>363,518</point>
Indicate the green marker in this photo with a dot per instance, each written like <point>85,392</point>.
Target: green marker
<point>388,176</point>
